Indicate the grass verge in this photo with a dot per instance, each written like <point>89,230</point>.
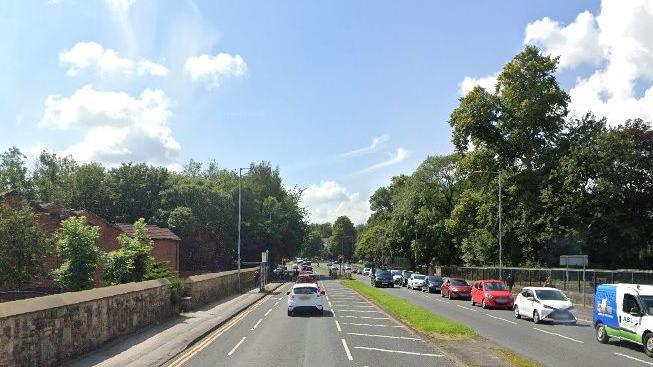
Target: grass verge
<point>417,317</point>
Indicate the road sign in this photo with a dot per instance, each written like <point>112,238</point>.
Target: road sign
<point>573,260</point>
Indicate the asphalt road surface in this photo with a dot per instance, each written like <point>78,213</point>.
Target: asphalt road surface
<point>352,332</point>
<point>553,345</point>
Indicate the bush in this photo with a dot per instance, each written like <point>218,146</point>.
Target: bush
<point>77,246</point>
<point>158,270</point>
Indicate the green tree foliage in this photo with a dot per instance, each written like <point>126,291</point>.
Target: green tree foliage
<point>133,260</point>
<point>342,238</point>
<point>13,173</point>
<point>76,243</point>
<point>23,246</point>
<point>52,176</point>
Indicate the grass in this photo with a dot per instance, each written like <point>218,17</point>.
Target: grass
<point>417,317</point>
<point>516,360</point>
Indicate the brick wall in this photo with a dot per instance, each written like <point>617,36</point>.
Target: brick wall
<point>168,251</point>
<point>207,288</point>
<point>49,330</point>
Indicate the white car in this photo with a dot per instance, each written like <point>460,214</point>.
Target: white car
<point>366,271</point>
<point>396,276</point>
<point>544,304</point>
<point>305,297</point>
<point>416,281</point>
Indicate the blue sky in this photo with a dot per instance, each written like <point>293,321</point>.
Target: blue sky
<point>306,85</point>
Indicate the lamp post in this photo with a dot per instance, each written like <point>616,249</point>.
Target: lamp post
<point>498,173</point>
<point>240,176</point>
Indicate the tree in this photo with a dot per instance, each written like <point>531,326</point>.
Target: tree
<point>13,173</point>
<point>135,191</point>
<point>132,261</point>
<point>88,187</point>
<point>52,177</point>
<point>76,242</point>
<point>343,237</point>
<point>22,244</point>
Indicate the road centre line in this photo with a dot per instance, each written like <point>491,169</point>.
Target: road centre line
<point>236,347</point>
<point>257,323</point>
<point>401,352</point>
<point>366,317</point>
<point>466,308</point>
<point>502,319</point>
<point>375,325</point>
<point>275,304</point>
<point>560,335</point>
<point>338,326</point>
<point>344,344</point>
<point>268,312</point>
<point>387,336</point>
<point>330,306</point>
<point>634,359</point>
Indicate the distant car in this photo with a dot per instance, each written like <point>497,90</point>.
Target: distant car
<point>307,278</point>
<point>405,275</point>
<point>416,281</point>
<point>396,276</point>
<point>280,270</point>
<point>295,267</point>
<point>456,288</point>
<point>305,297</point>
<point>382,278</point>
<point>544,304</point>
<point>366,271</point>
<point>432,284</point>
<point>491,294</point>
<point>307,263</point>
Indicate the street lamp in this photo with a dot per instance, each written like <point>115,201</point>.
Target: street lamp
<point>499,194</point>
<point>240,176</point>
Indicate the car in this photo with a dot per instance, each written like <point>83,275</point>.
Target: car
<point>382,278</point>
<point>625,312</point>
<point>416,281</point>
<point>307,263</point>
<point>432,284</point>
<point>405,275</point>
<point>305,297</point>
<point>491,294</point>
<point>307,278</point>
<point>396,276</point>
<point>280,270</point>
<point>295,267</point>
<point>366,271</point>
<point>544,304</point>
<point>456,288</point>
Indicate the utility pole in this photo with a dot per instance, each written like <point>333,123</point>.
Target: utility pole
<point>240,176</point>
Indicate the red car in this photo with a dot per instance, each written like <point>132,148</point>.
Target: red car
<point>306,278</point>
<point>455,288</point>
<point>491,294</point>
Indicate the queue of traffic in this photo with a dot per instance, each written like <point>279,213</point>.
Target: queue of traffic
<point>621,311</point>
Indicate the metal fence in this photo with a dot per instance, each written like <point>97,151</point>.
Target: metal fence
<point>578,283</point>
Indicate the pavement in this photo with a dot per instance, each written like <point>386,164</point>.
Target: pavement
<point>156,345</point>
<point>351,332</point>
<point>552,345</point>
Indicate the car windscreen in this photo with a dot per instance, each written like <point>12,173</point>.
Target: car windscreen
<point>458,282</point>
<point>382,273</point>
<point>550,295</point>
<point>495,286</point>
<point>305,279</point>
<point>648,304</point>
<point>434,279</point>
<point>304,290</point>
<point>421,277</point>
<point>396,272</point>
<point>408,274</point>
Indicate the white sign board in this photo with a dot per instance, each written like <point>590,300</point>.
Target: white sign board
<point>573,260</point>
<point>264,256</point>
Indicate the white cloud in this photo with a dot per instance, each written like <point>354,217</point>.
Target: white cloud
<point>328,200</point>
<point>488,83</point>
<point>92,56</point>
<point>376,142</point>
<point>120,5</point>
<point>215,68</point>
<point>399,156</point>
<point>118,127</point>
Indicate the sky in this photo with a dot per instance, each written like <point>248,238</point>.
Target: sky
<point>340,95</point>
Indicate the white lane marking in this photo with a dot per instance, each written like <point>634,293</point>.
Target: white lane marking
<point>401,352</point>
<point>560,335</point>
<point>376,325</point>
<point>257,323</point>
<point>330,306</point>
<point>467,308</point>
<point>441,301</point>
<point>275,304</point>
<point>267,313</point>
<point>502,319</point>
<point>338,326</point>
<point>280,298</point>
<point>366,317</point>
<point>327,297</point>
<point>387,336</point>
<point>634,359</point>
<point>344,344</point>
<point>333,312</point>
<point>358,311</point>
<point>236,347</point>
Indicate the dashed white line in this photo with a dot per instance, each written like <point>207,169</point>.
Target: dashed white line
<point>236,347</point>
<point>634,359</point>
<point>275,304</point>
<point>387,336</point>
<point>467,308</point>
<point>375,325</point>
<point>367,311</point>
<point>338,326</point>
<point>401,352</point>
<point>502,319</point>
<point>268,312</point>
<point>365,317</point>
<point>257,323</point>
<point>330,306</point>
<point>560,335</point>
<point>344,344</point>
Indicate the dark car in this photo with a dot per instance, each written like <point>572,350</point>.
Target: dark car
<point>404,277</point>
<point>382,278</point>
<point>433,283</point>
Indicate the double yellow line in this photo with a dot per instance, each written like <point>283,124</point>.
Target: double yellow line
<point>190,353</point>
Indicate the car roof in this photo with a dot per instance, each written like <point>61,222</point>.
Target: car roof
<point>540,288</point>
<point>491,281</point>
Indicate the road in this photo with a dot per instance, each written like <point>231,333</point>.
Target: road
<point>551,345</point>
<point>352,332</point>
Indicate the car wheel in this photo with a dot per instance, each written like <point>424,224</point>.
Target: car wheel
<point>289,313</point>
<point>601,335</point>
<point>648,344</point>
<point>442,294</point>
<point>473,303</point>
<point>517,314</point>
<point>483,305</point>
<point>536,317</point>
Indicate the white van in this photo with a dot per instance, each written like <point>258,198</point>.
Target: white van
<point>625,311</point>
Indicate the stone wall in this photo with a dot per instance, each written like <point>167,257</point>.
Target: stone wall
<point>49,330</point>
<point>207,288</point>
